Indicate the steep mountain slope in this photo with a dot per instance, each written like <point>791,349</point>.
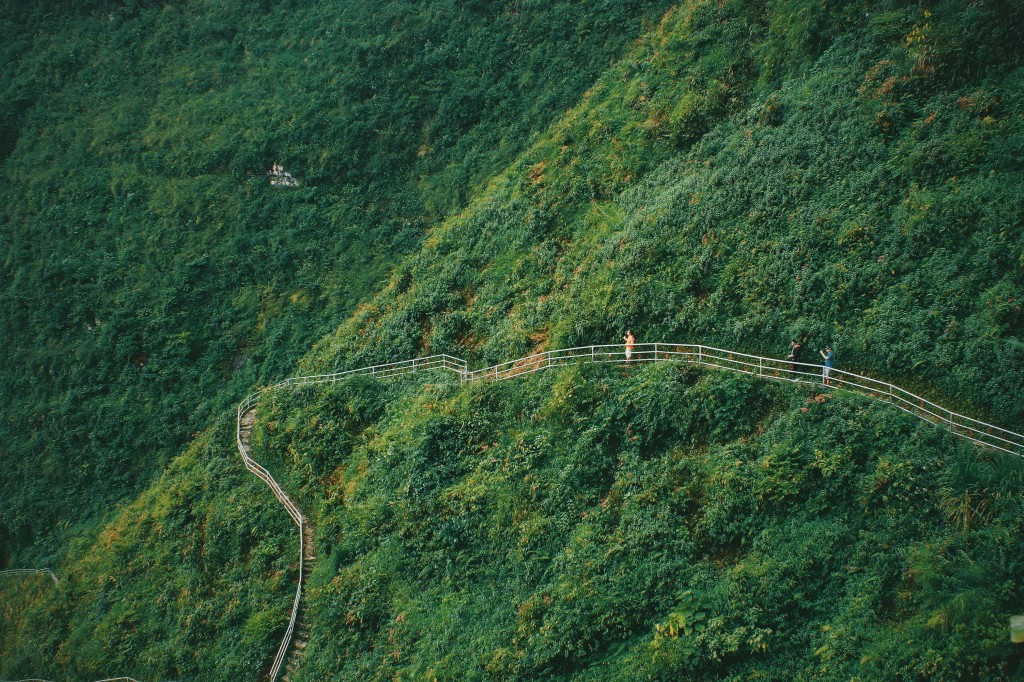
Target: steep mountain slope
<point>653,522</point>
<point>186,582</point>
<point>749,172</point>
<point>864,192</point>
<point>149,273</point>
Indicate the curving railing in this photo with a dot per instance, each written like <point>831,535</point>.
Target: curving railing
<point>252,465</point>
<point>385,370</point>
<point>974,430</point>
<point>31,571</point>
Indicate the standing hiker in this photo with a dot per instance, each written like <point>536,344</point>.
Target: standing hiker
<point>630,342</point>
<point>794,356</point>
<point>827,370</point>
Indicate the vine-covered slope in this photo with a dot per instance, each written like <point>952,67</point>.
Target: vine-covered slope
<point>658,522</point>
<point>486,180</point>
<point>734,182</point>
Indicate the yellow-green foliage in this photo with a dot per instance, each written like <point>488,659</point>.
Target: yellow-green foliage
<point>194,579</point>
<point>700,191</point>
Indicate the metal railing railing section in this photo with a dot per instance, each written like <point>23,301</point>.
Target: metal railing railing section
<point>293,511</point>
<point>31,571</point>
<point>441,361</point>
<point>391,369</point>
<point>966,427</point>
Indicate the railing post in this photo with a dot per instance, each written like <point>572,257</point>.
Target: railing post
<point>593,353</point>
<point>700,355</point>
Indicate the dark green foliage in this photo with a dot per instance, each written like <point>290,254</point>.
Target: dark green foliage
<point>487,179</point>
<point>655,523</point>
<point>149,275</point>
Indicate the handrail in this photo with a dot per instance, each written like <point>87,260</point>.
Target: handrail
<point>31,571</point>
<point>969,428</point>
<point>293,512</point>
<point>447,362</point>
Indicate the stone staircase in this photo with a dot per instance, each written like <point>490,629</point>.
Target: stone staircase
<point>301,634</point>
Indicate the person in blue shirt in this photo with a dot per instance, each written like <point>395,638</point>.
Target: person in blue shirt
<point>827,354</point>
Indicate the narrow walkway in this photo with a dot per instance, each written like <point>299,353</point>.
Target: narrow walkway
<point>974,430</point>
<point>30,571</point>
<point>297,626</point>
<point>301,626</point>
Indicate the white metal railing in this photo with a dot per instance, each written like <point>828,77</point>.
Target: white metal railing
<point>979,432</point>
<point>970,428</point>
<point>293,511</point>
<point>445,362</point>
<point>31,571</point>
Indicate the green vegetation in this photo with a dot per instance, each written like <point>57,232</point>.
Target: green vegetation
<point>488,179</point>
<point>188,581</point>
<point>703,191</point>
<point>655,523</point>
<point>150,275</point>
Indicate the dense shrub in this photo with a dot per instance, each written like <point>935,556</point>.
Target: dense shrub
<point>149,275</point>
<point>587,522</point>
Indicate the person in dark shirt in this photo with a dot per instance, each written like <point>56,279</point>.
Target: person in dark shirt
<point>795,352</point>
